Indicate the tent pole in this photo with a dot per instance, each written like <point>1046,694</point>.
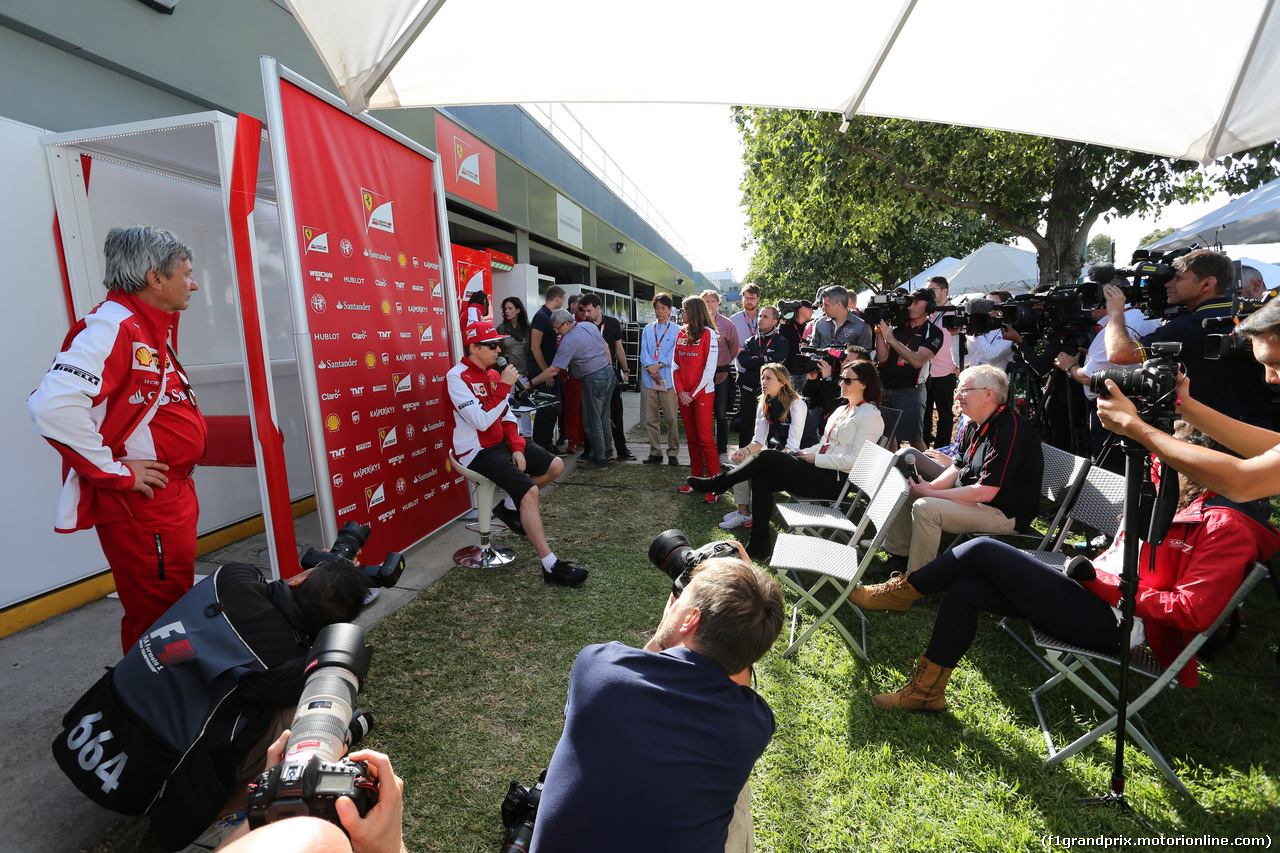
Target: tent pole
<point>1220,128</point>
<point>856,100</point>
<point>383,69</point>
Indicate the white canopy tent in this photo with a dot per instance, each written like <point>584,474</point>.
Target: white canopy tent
<point>945,267</point>
<point>860,57</point>
<point>1252,218</point>
<point>995,267</point>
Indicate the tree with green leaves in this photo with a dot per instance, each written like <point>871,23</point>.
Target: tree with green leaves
<point>1101,250</point>
<point>1155,236</point>
<point>811,191</point>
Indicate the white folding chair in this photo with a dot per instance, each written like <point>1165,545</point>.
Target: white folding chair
<point>864,479</point>
<point>837,565</point>
<point>1073,662</point>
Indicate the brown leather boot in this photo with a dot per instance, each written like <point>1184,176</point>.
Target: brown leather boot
<point>925,692</point>
<point>893,594</point>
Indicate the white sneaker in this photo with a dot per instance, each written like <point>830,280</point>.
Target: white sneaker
<point>730,514</point>
<point>734,519</point>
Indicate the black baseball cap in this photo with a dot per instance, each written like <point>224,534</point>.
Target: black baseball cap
<point>923,293</point>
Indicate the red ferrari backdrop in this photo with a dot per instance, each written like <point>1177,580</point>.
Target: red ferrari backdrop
<point>370,247</point>
<point>471,273</point>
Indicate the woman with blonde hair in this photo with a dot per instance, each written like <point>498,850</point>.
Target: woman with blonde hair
<point>782,423</point>
<point>693,372</point>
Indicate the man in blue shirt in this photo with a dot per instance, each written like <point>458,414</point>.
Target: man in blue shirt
<point>659,742</point>
<point>658,393</point>
<point>584,354</point>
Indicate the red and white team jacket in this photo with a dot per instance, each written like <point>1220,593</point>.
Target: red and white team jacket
<point>115,391</point>
<point>481,416</point>
<point>694,364</point>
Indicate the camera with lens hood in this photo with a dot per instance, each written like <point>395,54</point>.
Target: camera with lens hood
<point>1151,387</point>
<point>314,773</point>
<point>672,553</point>
<point>351,537</point>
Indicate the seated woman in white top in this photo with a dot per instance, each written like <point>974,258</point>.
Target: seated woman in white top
<point>782,423</point>
<point>818,471</point>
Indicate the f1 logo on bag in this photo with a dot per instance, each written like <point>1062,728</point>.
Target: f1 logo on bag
<point>171,653</point>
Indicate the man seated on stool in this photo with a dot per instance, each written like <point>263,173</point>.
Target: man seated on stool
<point>993,486</point>
<point>486,441</point>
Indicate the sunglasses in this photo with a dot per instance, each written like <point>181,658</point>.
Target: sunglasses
<point>849,380</point>
<point>491,345</point>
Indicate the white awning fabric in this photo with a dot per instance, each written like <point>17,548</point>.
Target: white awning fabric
<point>1252,218</point>
<point>1120,74</point>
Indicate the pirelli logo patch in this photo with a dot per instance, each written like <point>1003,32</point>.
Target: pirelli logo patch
<point>78,371</point>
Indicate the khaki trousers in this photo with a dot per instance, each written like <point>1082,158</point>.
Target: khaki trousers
<point>918,533</point>
<point>670,410</point>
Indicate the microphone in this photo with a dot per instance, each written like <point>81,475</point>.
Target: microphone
<point>518,390</point>
<point>1102,273</point>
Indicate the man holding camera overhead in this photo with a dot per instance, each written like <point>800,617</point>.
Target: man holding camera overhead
<point>1201,284</point>
<point>659,742</point>
<point>905,353</point>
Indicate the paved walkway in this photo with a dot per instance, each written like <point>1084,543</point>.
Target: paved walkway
<point>45,668</point>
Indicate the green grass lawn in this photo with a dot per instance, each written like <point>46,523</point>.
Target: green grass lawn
<point>468,684</point>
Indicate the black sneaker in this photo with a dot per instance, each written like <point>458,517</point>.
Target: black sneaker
<point>673,460</point>
<point>652,460</point>
<point>509,517</point>
<point>564,573</point>
<point>589,465</point>
<point>625,454</point>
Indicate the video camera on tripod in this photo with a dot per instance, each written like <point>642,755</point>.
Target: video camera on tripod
<point>1228,344</point>
<point>1150,272</point>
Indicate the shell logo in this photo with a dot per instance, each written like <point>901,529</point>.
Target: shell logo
<point>404,260</point>
<point>332,422</point>
<point>370,359</point>
<point>386,306</point>
<point>144,356</point>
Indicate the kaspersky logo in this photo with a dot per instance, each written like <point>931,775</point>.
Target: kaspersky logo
<point>314,240</point>
<point>377,212</point>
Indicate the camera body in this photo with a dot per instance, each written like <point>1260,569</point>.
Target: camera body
<point>1228,345</point>
<point>891,308</point>
<point>1150,387</point>
<point>672,553</point>
<point>806,361</point>
<point>351,537</point>
<point>314,774</point>
<point>519,811</point>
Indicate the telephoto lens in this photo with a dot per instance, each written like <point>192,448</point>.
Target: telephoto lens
<point>314,774</point>
<point>352,536</point>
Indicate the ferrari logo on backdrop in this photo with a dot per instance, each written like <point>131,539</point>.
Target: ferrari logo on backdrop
<point>377,212</point>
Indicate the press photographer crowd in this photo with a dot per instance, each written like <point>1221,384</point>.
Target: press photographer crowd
<point>249,742</point>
